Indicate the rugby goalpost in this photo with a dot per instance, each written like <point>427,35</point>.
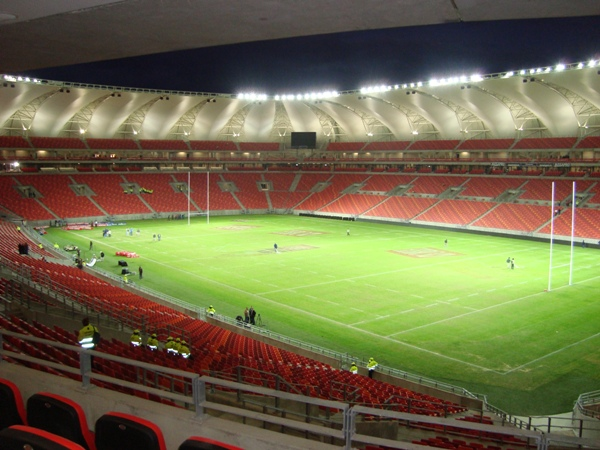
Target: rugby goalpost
<point>189,190</point>
<point>552,215</point>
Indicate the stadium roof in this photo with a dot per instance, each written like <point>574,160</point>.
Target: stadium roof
<point>553,101</point>
<point>40,34</point>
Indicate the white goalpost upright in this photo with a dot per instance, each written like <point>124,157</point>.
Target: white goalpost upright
<point>207,195</point>
<point>573,207</point>
<point>572,243</point>
<point>189,190</point>
<point>551,238</point>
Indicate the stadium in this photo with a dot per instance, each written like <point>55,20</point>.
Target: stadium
<point>447,228</point>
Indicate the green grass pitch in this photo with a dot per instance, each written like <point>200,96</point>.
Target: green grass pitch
<point>454,312</point>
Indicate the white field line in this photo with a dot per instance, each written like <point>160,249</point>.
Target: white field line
<point>555,352</point>
<point>390,338</point>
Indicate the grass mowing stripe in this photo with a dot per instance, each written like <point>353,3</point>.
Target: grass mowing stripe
<point>325,299</point>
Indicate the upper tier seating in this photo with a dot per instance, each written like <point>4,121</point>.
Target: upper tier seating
<point>594,193</point>
<point>28,208</point>
<point>485,144</point>
<point>516,217</point>
<point>309,180</point>
<point>13,142</point>
<point>541,189</point>
<point>59,197</point>
<point>57,142</point>
<point>490,187</point>
<point>249,194</point>
<point>435,185</point>
<point>586,223</point>
<point>215,197</point>
<point>112,144</point>
<point>163,197</point>
<point>110,195</point>
<point>385,183</point>
<point>589,142</point>
<point>545,143</point>
<point>284,191</point>
<point>163,144</point>
<point>280,196</point>
<point>457,212</point>
<point>442,144</point>
<point>214,146</point>
<point>386,146</point>
<point>337,184</point>
<point>259,146</point>
<point>345,146</point>
<point>354,204</point>
<point>403,208</point>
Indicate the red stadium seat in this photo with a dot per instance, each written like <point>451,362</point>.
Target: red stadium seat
<point>116,430</point>
<point>12,409</point>
<point>61,416</point>
<point>19,437</point>
<point>202,443</point>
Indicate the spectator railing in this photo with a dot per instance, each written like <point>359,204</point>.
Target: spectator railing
<point>201,396</point>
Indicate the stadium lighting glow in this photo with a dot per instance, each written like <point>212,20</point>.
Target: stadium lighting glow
<point>252,96</point>
<point>374,89</point>
<point>317,95</point>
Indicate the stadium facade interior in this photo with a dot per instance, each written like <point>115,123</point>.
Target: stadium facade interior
<point>463,153</point>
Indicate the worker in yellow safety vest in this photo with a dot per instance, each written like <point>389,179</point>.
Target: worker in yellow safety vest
<point>184,350</point>
<point>136,339</point>
<point>170,346</point>
<point>152,342</point>
<point>371,366</point>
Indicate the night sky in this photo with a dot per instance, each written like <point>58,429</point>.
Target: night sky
<point>348,61</point>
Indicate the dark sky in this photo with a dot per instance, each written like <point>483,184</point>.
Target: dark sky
<point>348,61</point>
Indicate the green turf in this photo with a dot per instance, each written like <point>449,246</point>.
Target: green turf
<point>455,313</point>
